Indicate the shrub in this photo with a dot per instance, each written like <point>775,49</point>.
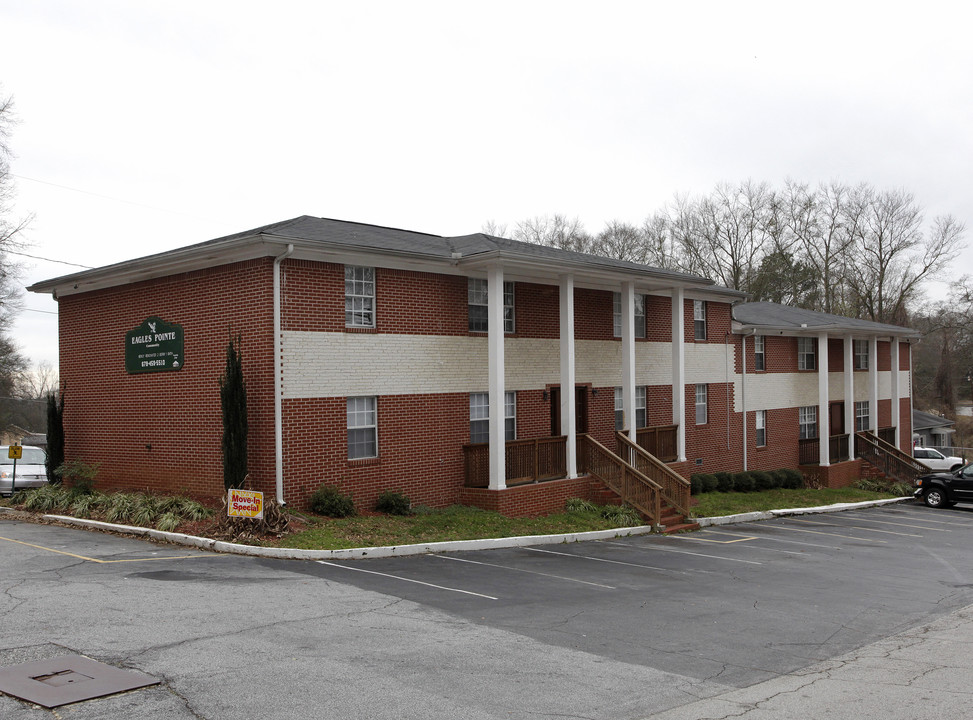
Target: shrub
<point>762,480</point>
<point>80,474</point>
<point>623,515</point>
<point>330,501</point>
<point>744,482</point>
<point>710,483</point>
<point>724,481</point>
<point>168,522</point>
<point>580,505</point>
<point>695,484</point>
<point>393,503</point>
<point>793,479</point>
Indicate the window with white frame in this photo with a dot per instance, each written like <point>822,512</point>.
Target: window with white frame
<point>478,299</point>
<point>861,416</point>
<point>702,415</point>
<point>699,319</point>
<point>480,417</point>
<point>359,296</point>
<point>362,428</point>
<point>808,419</point>
<point>759,357</point>
<point>861,354</point>
<point>806,353</point>
<point>760,423</point>
<point>639,408</point>
<point>617,315</point>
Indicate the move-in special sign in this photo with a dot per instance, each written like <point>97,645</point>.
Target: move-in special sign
<point>245,503</point>
<point>154,346</point>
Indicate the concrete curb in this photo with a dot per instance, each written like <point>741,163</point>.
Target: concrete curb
<point>452,546</point>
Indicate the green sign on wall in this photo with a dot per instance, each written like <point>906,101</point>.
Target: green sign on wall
<point>154,346</point>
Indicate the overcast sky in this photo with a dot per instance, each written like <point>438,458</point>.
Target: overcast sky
<point>146,126</point>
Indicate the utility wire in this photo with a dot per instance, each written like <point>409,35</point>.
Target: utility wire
<point>38,257</point>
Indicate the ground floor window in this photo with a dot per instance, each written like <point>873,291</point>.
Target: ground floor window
<point>362,427</point>
<point>702,395</point>
<point>808,418</point>
<point>640,417</point>
<point>480,417</point>
<point>760,421</point>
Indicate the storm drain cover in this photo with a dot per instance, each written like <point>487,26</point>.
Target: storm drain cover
<point>68,679</point>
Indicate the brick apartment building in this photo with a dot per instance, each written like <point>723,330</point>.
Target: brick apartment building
<point>383,359</point>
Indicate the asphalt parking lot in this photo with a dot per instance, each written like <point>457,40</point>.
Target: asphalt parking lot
<point>621,628</point>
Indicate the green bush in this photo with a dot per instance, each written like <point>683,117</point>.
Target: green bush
<point>710,483</point>
<point>623,515</point>
<point>695,484</point>
<point>744,482</point>
<point>793,479</point>
<point>580,505</point>
<point>724,481</point>
<point>330,501</point>
<point>762,480</point>
<point>393,503</point>
<point>79,474</point>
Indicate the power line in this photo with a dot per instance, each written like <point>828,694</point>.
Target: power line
<point>46,312</point>
<point>38,257</point>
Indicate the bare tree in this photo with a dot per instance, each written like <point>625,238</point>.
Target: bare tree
<point>555,231</point>
<point>621,241</point>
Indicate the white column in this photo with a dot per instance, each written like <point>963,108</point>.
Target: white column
<point>498,462</point>
<point>568,410</point>
<point>679,373</point>
<point>896,393</point>
<point>873,385</point>
<point>628,357</point>
<point>849,342</point>
<point>824,424</point>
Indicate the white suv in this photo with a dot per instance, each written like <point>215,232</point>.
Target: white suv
<point>935,460</point>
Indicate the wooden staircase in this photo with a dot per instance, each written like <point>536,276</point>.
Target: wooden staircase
<point>673,522</point>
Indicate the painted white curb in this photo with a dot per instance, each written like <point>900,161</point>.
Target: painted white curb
<point>451,546</point>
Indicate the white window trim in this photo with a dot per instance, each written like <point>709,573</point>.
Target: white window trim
<point>808,417</point>
<point>760,425</point>
<point>617,315</point>
<point>371,408</point>
<point>759,350</point>
<point>365,298</point>
<point>477,295</point>
<point>699,316</point>
<point>806,348</point>
<point>702,403</point>
<point>861,416</point>
<point>481,401</point>
<point>640,407</point>
<point>860,351</point>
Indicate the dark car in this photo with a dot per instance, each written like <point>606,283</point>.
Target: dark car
<point>942,489</point>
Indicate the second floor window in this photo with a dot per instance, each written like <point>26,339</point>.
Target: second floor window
<point>617,315</point>
<point>861,354</point>
<point>808,419</point>
<point>699,319</point>
<point>478,299</point>
<point>759,357</point>
<point>805,354</point>
<point>359,296</point>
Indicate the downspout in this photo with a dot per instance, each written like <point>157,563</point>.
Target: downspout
<point>278,380</point>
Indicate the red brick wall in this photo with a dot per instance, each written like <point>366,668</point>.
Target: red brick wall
<point>161,431</point>
<point>528,500</point>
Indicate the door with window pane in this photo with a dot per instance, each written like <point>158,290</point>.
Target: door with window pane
<point>580,410</point>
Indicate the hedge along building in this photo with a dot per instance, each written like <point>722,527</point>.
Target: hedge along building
<point>451,369</point>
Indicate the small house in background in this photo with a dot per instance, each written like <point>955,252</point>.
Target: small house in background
<point>472,369</point>
<point>931,430</point>
<point>13,435</point>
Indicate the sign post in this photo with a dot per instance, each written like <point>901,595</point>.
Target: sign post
<point>14,452</point>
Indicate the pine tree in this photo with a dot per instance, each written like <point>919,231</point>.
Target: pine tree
<point>55,436</point>
<point>233,401</point>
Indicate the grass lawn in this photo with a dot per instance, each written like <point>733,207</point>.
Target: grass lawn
<point>714,504</point>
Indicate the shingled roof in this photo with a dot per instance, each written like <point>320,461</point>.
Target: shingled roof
<point>787,320</point>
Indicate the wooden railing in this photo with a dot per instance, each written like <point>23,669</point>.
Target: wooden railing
<point>809,450</point>
<point>887,434</point>
<point>888,458</point>
<point>675,488</point>
<point>526,461</point>
<point>659,441</point>
<point>621,477</point>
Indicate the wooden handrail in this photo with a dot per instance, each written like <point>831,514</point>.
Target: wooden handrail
<point>888,458</point>
<point>628,482</point>
<point>675,488</point>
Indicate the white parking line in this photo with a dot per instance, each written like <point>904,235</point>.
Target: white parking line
<point>818,532</point>
<point>530,572</point>
<point>947,522</point>
<point>897,524</point>
<point>795,542</point>
<point>688,552</point>
<point>403,579</point>
<point>613,562</point>
<point>855,527</point>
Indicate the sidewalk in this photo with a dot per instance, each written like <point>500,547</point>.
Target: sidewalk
<point>452,546</point>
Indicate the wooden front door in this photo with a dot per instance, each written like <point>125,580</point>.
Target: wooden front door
<point>580,410</point>
<point>836,412</point>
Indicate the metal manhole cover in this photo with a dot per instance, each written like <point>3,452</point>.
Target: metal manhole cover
<point>68,679</point>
